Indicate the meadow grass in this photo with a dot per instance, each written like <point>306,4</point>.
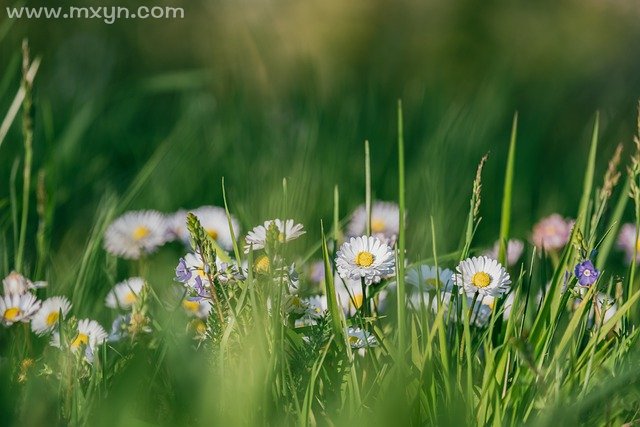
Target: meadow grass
<point>556,358</point>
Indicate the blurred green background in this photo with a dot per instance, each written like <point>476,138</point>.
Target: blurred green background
<point>256,91</point>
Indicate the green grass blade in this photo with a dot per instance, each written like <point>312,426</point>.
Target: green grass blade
<point>505,220</point>
<point>401,242</point>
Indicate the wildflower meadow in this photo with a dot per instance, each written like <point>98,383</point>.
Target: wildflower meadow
<point>383,281</point>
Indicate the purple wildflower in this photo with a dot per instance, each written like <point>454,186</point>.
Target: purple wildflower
<point>199,287</point>
<point>586,273</point>
<point>183,274</point>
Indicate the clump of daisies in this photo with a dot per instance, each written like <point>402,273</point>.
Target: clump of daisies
<point>18,303</point>
<point>137,234</point>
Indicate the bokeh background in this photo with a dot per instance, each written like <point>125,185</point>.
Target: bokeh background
<point>258,91</point>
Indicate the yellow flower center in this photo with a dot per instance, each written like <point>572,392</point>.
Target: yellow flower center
<point>52,318</point>
<point>141,232</point>
<point>481,279</point>
<point>357,301</point>
<point>638,245</point>
<point>364,259</point>
<point>199,327</point>
<point>12,313</point>
<point>80,339</point>
<point>129,298</point>
<point>377,225</point>
<point>212,233</point>
<point>281,237</point>
<point>433,282</point>
<point>262,265</point>
<point>353,340</point>
<point>192,306</point>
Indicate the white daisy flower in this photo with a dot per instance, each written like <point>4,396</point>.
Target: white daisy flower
<point>293,304</point>
<point>46,319</point>
<point>136,233</point>
<point>385,221</point>
<point>125,294</point>
<point>483,275</point>
<point>177,225</point>
<point>192,271</point>
<point>197,307</point>
<point>89,334</point>
<point>288,230</point>
<point>515,247</point>
<point>603,310</point>
<point>18,308</point>
<point>359,338</point>
<point>490,302</point>
<point>349,295</point>
<point>425,278</point>
<point>480,315</point>
<point>16,284</point>
<point>365,257</point>
<point>214,222</point>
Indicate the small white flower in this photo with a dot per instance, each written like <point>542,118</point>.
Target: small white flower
<point>358,338</point>
<point>46,319</point>
<point>480,315</point>
<point>490,302</point>
<point>177,226</point>
<point>197,307</point>
<point>213,220</point>
<point>385,221</point>
<point>16,284</point>
<point>603,310</point>
<point>287,230</point>
<point>125,294</point>
<point>89,335</point>
<point>483,275</point>
<point>135,234</point>
<point>426,278</point>
<point>293,304</point>
<point>18,308</point>
<point>515,248</point>
<point>365,257</point>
